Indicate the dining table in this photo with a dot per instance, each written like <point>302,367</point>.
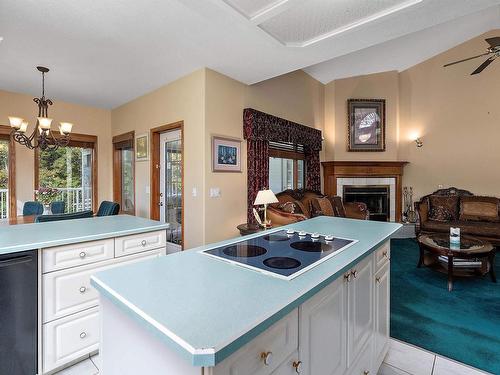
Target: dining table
<point>28,219</point>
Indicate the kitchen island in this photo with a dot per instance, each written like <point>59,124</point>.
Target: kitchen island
<point>45,268</point>
<point>189,313</point>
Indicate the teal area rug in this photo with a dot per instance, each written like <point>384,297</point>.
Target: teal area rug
<point>463,324</point>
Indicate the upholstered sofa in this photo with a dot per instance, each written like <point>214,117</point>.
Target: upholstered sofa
<point>300,204</point>
<point>474,215</point>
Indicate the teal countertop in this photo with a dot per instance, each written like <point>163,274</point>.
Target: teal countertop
<point>205,309</point>
<point>14,238</point>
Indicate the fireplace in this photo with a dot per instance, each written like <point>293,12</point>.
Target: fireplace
<point>376,197</point>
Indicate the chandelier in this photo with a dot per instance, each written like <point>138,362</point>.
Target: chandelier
<point>42,136</point>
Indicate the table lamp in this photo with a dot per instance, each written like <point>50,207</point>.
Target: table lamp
<point>265,197</point>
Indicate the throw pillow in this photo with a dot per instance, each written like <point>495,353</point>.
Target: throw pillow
<point>443,208</point>
<point>287,207</point>
<point>324,206</point>
<point>299,207</point>
<point>479,209</point>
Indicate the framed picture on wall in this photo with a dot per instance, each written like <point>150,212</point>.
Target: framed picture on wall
<point>226,154</point>
<point>366,125</point>
<point>142,147</point>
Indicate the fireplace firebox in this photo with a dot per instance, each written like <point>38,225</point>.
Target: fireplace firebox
<point>376,197</point>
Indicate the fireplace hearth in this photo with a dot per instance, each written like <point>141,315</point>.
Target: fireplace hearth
<point>376,197</point>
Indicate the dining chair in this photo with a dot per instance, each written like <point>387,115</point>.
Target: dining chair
<point>32,208</point>
<point>108,208</point>
<point>57,207</point>
<point>69,216</point>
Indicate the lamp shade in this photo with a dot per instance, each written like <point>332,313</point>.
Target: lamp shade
<point>265,197</point>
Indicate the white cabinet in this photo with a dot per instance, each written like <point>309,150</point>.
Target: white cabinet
<point>266,352</point>
<point>69,304</point>
<point>360,306</point>
<point>323,331</point>
<point>382,314</point>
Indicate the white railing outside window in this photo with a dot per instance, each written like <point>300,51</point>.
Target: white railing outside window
<point>4,203</point>
<point>75,199</point>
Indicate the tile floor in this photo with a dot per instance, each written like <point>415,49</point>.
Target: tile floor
<point>402,359</point>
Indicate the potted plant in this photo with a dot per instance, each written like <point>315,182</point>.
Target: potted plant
<point>45,195</point>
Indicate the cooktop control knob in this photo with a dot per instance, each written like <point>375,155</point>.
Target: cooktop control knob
<point>290,231</point>
<point>315,235</point>
<point>302,233</point>
<point>329,238</point>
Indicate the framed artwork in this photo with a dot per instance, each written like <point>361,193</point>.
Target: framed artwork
<point>226,154</point>
<point>366,125</point>
<point>142,147</point>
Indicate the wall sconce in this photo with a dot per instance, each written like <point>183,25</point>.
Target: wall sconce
<point>419,142</point>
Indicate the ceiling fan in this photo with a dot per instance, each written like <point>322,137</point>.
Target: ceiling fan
<point>493,50</point>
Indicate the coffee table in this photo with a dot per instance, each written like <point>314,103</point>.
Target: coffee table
<point>470,248</point>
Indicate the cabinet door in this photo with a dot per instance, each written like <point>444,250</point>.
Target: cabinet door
<point>360,307</point>
<point>323,331</point>
<point>382,311</point>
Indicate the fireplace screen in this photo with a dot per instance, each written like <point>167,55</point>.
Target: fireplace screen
<point>376,197</point>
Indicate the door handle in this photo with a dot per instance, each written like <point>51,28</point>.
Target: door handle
<point>160,204</point>
<point>14,261</point>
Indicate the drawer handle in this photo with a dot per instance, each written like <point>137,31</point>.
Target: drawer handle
<point>83,254</point>
<point>354,273</point>
<point>384,254</point>
<point>297,365</point>
<point>366,372</point>
<point>266,357</point>
<point>83,289</point>
<point>347,277</point>
<point>377,279</point>
<point>144,243</point>
<point>83,335</point>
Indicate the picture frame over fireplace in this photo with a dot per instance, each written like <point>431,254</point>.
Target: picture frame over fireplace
<point>366,125</point>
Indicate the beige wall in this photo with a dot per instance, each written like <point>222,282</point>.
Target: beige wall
<point>87,120</point>
<point>182,100</point>
<point>375,86</point>
<point>456,115</point>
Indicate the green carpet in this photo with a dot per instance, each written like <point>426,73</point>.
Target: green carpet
<point>463,324</point>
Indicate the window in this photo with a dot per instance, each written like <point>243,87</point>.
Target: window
<point>72,171</point>
<point>7,178</point>
<point>286,167</point>
<point>123,172</point>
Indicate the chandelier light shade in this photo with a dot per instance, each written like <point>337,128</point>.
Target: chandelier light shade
<point>42,136</point>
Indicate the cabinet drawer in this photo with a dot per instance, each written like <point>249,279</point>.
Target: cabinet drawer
<point>382,255</point>
<point>68,291</point>
<point>70,338</point>
<point>291,366</point>
<point>140,242</point>
<point>280,341</point>
<point>61,257</point>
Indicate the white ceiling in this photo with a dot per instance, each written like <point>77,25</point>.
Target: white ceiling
<point>105,53</point>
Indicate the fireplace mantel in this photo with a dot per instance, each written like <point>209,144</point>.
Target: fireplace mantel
<point>332,170</point>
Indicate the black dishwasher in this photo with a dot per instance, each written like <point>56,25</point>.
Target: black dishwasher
<point>18,313</point>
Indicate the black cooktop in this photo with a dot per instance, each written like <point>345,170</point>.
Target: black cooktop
<point>282,254</point>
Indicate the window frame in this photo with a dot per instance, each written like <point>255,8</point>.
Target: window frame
<point>295,156</point>
<point>5,135</point>
<point>119,141</point>
<point>76,140</point>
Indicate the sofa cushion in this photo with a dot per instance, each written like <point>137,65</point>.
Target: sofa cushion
<point>322,206</point>
<point>338,206</point>
<point>443,208</point>
<point>479,209</point>
<point>473,228</point>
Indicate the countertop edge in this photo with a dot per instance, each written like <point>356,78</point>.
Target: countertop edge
<point>208,357</point>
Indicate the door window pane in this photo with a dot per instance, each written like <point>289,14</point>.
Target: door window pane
<point>4,179</point>
<point>127,181</point>
<point>173,190</point>
<point>281,174</point>
<point>69,170</point>
<point>300,174</point>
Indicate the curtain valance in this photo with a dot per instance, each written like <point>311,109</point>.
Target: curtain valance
<point>262,126</point>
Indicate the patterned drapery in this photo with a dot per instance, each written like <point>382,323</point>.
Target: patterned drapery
<point>258,171</point>
<point>259,129</point>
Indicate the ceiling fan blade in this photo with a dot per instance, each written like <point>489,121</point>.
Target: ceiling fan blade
<point>484,65</point>
<point>467,59</point>
<point>493,42</point>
